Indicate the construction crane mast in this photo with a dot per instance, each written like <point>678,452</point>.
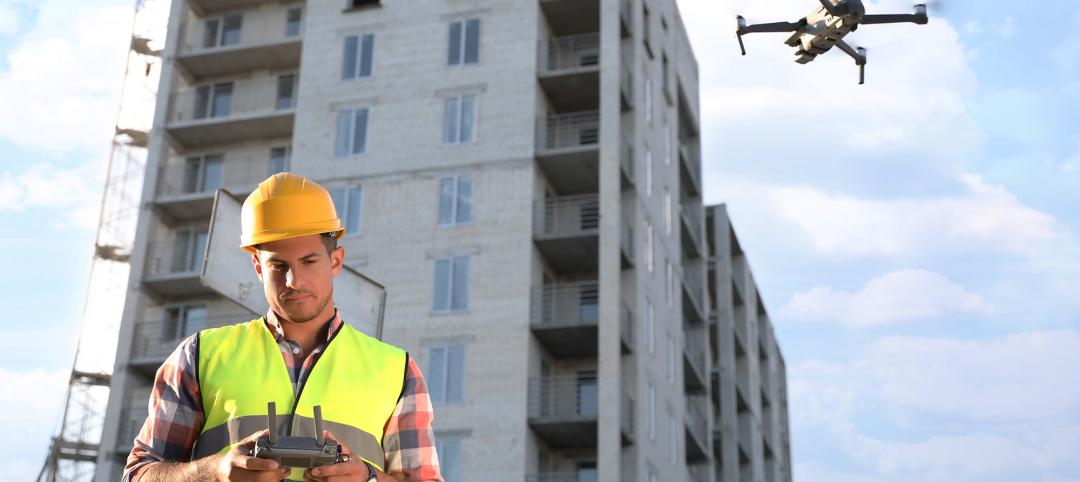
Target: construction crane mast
<point>74,448</point>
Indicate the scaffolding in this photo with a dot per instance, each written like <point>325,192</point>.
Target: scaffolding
<point>74,448</point>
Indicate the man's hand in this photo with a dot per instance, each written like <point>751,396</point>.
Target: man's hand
<point>237,465</point>
<point>354,470</point>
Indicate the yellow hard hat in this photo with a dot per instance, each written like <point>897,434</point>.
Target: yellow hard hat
<point>285,206</point>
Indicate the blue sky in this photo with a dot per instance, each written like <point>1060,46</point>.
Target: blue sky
<point>915,238</point>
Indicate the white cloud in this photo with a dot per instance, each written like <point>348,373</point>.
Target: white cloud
<point>30,408</point>
<point>1010,407</point>
<point>9,19</point>
<point>75,193</point>
<point>61,90</point>
<point>900,296</point>
<point>984,217</point>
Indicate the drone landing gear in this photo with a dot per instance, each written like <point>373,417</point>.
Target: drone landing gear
<point>859,54</point>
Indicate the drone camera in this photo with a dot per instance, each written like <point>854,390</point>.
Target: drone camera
<point>738,33</point>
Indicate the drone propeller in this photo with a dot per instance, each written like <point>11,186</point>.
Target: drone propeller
<point>934,6</point>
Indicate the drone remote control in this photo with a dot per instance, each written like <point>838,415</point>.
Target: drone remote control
<point>296,452</point>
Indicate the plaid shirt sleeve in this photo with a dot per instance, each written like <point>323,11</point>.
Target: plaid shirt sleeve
<point>175,413</point>
<point>408,438</point>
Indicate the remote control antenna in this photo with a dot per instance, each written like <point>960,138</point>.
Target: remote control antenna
<point>271,421</point>
<point>318,426</point>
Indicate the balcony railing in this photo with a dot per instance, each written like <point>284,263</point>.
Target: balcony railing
<point>567,216</point>
<point>626,161</point>
<point>626,245</point>
<point>691,214</point>
<point>176,256</point>
<point>693,281</point>
<point>566,304</point>
<point>697,426</point>
<point>223,101</point>
<point>569,53</point>
<point>131,422</point>
<point>567,131</point>
<point>563,396</point>
<point>626,417</point>
<point>695,351</point>
<point>562,476</point>
<point>234,32</point>
<point>183,176</point>
<point>691,166</point>
<point>155,339</point>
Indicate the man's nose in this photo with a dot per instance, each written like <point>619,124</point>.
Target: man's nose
<point>292,280</point>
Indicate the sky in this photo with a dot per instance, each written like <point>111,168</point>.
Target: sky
<point>914,238</point>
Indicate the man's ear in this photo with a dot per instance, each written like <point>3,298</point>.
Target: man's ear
<point>337,260</point>
<point>258,266</point>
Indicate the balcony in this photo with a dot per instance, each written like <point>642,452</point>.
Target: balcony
<point>231,112</point>
<point>626,245</point>
<point>626,85</point>
<point>697,445</point>
<point>693,280</point>
<point>566,231</point>
<point>252,44</point>
<point>564,318</point>
<point>156,338</point>
<point>173,267</point>
<point>691,215</point>
<point>186,185</point>
<point>694,363</point>
<point>626,163</point>
<point>626,328</point>
<point>567,147</point>
<point>131,422</point>
<point>204,7</point>
<point>563,410</point>
<point>569,71</point>
<point>689,171</point>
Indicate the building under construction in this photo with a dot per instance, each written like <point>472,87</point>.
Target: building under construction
<point>524,178</point>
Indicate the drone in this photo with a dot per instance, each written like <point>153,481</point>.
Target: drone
<point>826,27</point>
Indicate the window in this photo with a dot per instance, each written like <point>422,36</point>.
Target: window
<point>464,44</point>
<point>671,357</point>
<point>182,321</point>
<point>646,26</point>
<point>292,22</point>
<point>455,200</point>
<point>650,327</point>
<point>648,171</point>
<point>648,246</point>
<point>650,409</point>
<point>203,173</point>
<point>357,62</point>
<point>587,395</point>
<point>222,31</point>
<point>286,91</point>
<point>279,159</point>
<point>667,210</point>
<point>362,3</point>
<point>669,133</point>
<point>451,284</point>
<point>673,439</point>
<point>652,474</point>
<point>189,245</point>
<point>214,100</point>
<point>446,373</point>
<point>586,472</point>
<point>648,98</point>
<point>349,204</point>
<point>459,120</point>
<point>352,132</point>
<point>449,449</point>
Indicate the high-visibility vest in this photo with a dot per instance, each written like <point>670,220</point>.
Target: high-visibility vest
<point>357,380</point>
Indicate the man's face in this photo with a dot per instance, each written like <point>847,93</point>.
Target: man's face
<point>297,276</point>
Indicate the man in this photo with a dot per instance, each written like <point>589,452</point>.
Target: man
<point>208,404</point>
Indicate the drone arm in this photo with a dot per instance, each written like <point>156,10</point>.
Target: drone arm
<point>832,9</point>
<point>859,54</point>
<point>918,17</point>
<point>770,27</point>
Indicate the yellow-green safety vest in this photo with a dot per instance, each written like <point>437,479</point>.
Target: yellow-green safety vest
<point>357,380</point>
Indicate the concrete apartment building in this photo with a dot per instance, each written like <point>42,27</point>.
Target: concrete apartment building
<point>524,178</point>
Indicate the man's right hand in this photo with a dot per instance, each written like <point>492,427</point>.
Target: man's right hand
<point>238,466</point>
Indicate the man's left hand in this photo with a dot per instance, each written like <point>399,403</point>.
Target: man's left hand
<point>353,470</point>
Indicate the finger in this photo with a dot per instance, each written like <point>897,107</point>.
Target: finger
<point>344,448</point>
<point>238,473</point>
<point>251,439</point>
<point>352,467</point>
<point>311,478</point>
<point>254,463</point>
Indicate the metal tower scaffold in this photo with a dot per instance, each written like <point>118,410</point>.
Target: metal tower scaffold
<point>75,445</point>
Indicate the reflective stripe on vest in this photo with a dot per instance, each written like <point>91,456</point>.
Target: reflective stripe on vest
<point>357,380</point>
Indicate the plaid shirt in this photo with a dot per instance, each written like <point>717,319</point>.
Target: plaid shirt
<point>176,417</point>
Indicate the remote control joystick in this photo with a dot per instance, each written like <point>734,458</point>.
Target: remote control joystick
<point>296,452</point>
